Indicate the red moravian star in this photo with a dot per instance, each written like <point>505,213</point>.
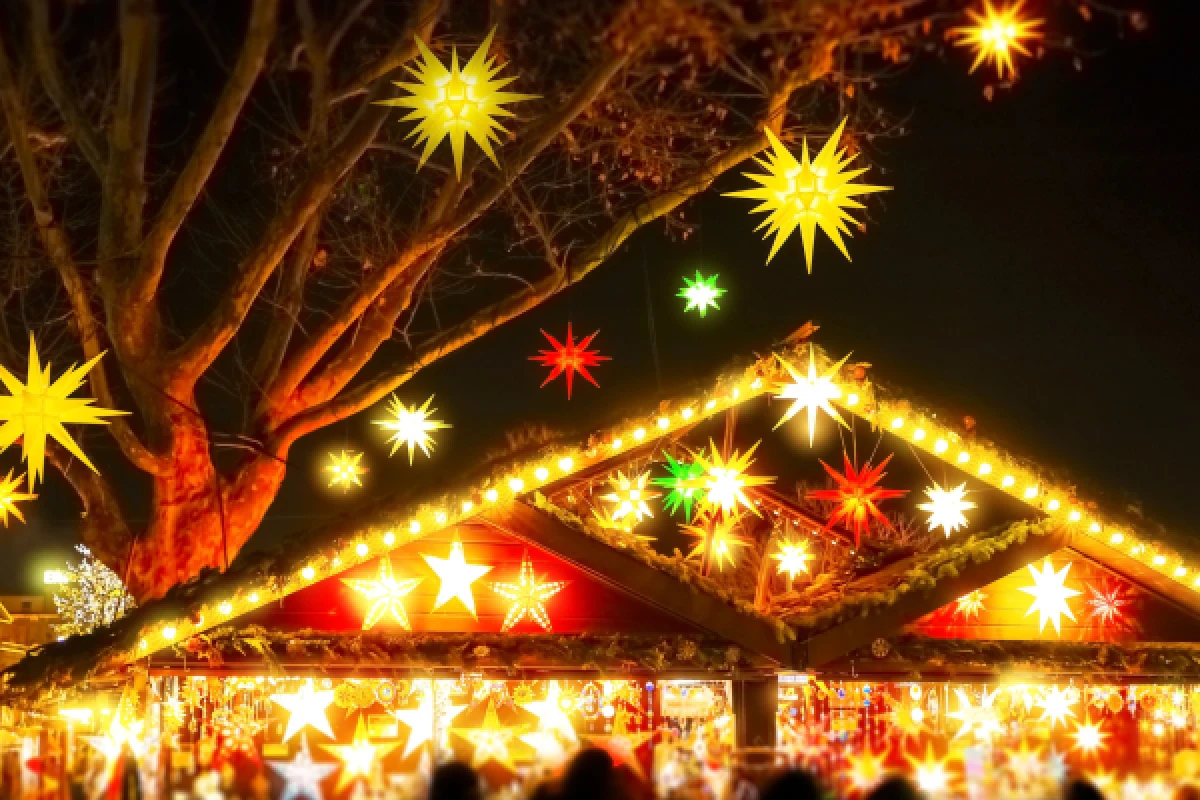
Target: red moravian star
<point>1107,603</point>
<point>856,494</point>
<point>569,358</point>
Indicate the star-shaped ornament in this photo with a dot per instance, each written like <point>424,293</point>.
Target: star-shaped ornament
<point>569,358</point>
<point>552,717</point>
<point>411,426</point>
<point>1050,595</point>
<point>302,776</point>
<point>701,294</point>
<point>10,495</point>
<point>345,470</point>
<point>359,757</point>
<point>456,576</point>
<point>622,745</point>
<point>857,495</point>
<point>812,392</point>
<point>528,596</point>
<point>307,707</point>
<point>491,740</point>
<point>385,594</point>
<point>946,507</point>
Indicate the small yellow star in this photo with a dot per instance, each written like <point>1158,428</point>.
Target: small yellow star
<point>345,470</point>
<point>411,426</point>
<point>307,707</point>
<point>10,496</point>
<point>491,740</point>
<point>359,757</point>
<point>792,558</point>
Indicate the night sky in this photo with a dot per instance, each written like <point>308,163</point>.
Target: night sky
<point>1035,268</point>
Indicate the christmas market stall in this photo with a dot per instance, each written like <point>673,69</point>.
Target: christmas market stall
<point>795,566</point>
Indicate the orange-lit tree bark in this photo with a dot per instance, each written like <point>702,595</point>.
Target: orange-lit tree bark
<point>284,185</point>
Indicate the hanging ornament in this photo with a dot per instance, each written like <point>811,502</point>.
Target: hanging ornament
<point>628,498</point>
<point>10,495</point>
<point>857,496</point>
<point>490,740</point>
<point>1107,603</point>
<point>806,194</point>
<point>456,576</point>
<point>306,707</point>
<point>931,774</point>
<point>716,540</point>
<point>970,604</point>
<point>997,34</point>
<point>1050,596</point>
<point>810,392</point>
<point>570,358</point>
<point>38,408</point>
<point>1056,706</point>
<point>411,426</point>
<point>792,558</point>
<point>302,776</point>
<point>1089,737</point>
<point>680,479</point>
<point>345,470</point>
<point>701,293</point>
<point>456,103</point>
<point>528,596</point>
<point>946,507</point>
<point>385,594</point>
<point>724,480</point>
<point>359,757</point>
<point>981,720</point>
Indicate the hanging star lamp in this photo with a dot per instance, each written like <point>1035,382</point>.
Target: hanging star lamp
<point>980,720</point>
<point>38,408</point>
<point>931,774</point>
<point>807,194</point>
<point>456,103</point>
<point>680,479</point>
<point>302,776</point>
<point>569,357</point>
<point>456,576</point>
<point>857,495</point>
<point>1056,706</point>
<point>997,33</point>
<point>385,594</point>
<point>793,558</point>
<point>1089,736</point>
<point>946,507</point>
<point>970,604</point>
<point>811,392</point>
<point>10,495</point>
<point>867,769</point>
<point>359,757</point>
<point>701,294</point>
<point>411,426</point>
<point>1050,595</point>
<point>724,480</point>
<point>622,745</point>
<point>716,540</point>
<point>628,496</point>
<point>490,740</point>
<point>1107,603</point>
<point>528,596</point>
<point>345,470</point>
<point>306,707</point>
<point>419,720</point>
<point>552,717</point>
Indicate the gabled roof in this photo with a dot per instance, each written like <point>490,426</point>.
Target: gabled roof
<point>212,600</point>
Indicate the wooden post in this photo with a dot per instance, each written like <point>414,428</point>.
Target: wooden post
<point>755,704</point>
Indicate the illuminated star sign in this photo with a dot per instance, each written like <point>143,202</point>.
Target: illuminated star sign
<point>411,426</point>
<point>867,769</point>
<point>622,745</point>
<point>792,558</point>
<point>629,497</point>
<point>996,34</point>
<point>946,507</point>
<point>806,194</point>
<point>10,495</point>
<point>857,495</point>
<point>359,757</point>
<point>681,479</point>
<point>419,720</point>
<point>456,102</point>
<point>38,408</point>
<point>345,470</point>
<point>1050,596</point>
<point>1107,602</point>
<point>811,392</point>
<point>978,719</point>
<point>528,596</point>
<point>569,358</point>
<point>385,594</point>
<point>456,576</point>
<point>307,707</point>
<point>550,713</point>
<point>701,293</point>
<point>491,740</point>
<point>302,776</point>
<point>724,480</point>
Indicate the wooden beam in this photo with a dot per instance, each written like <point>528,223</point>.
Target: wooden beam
<point>860,631</point>
<point>627,574</point>
<point>1142,575</point>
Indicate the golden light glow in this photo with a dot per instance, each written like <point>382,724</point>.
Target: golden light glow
<point>1056,706</point>
<point>867,769</point>
<point>997,33</point>
<point>946,507</point>
<point>117,738</point>
<point>411,426</point>
<point>1089,737</point>
<point>552,717</point>
<point>811,392</point>
<point>10,495</point>
<point>622,745</point>
<point>491,740</point>
<point>792,558</point>
<point>344,470</point>
<point>716,539</point>
<point>724,479</point>
<point>38,408</point>
<point>385,594</point>
<point>528,596</point>
<point>419,720</point>
<point>970,604</point>
<point>981,720</point>
<point>456,102</point>
<point>628,498</point>
<point>931,774</point>
<point>1050,596</point>
<point>807,194</point>
<point>359,757</point>
<point>307,708</point>
<point>456,576</point>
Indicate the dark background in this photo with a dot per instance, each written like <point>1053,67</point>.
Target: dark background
<point>1035,268</point>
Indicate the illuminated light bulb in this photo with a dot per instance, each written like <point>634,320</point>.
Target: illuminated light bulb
<point>541,473</point>
<point>168,633</point>
<point>985,469</point>
<point>756,384</point>
<point>337,562</point>
<point>898,423</point>
<point>964,457</point>
<point>918,434</point>
<point>664,423</point>
<point>440,518</point>
<point>1159,729</point>
<point>144,644</point>
<point>710,405</point>
<point>686,413</point>
<point>1180,571</point>
<point>1094,527</point>
<point>1031,492</point>
<point>389,538</point>
<point>414,527</point>
<point>253,598</point>
<point>1075,515</point>
<point>1159,560</point>
<point>1053,505</point>
<point>516,484</point>
<point>851,399</point>
<point>639,434</point>
<point>941,446</point>
<point>226,608</point>
<point>565,464</point>
<point>308,573</point>
<point>467,506</point>
<point>616,445</point>
<point>1008,481</point>
<point>735,393</point>
<point>361,549</point>
<point>491,495</point>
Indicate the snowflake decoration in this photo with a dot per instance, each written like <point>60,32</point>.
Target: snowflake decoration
<point>411,426</point>
<point>701,293</point>
<point>857,495</point>
<point>10,495</point>
<point>680,479</point>
<point>569,358</point>
<point>996,34</point>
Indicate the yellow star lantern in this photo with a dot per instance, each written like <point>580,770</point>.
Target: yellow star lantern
<point>931,774</point>
<point>345,470</point>
<point>978,719</point>
<point>385,593</point>
<point>996,34</point>
<point>456,102</point>
<point>528,596</point>
<point>716,540</point>
<point>867,769</point>
<point>306,707</point>
<point>411,426</point>
<point>456,576</point>
<point>946,507</point>
<point>10,495</point>
<point>810,392</point>
<point>1050,596</point>
<point>491,740</point>
<point>419,720</point>
<point>38,408</point>
<point>628,497</point>
<point>792,558</point>
<point>623,745</point>
<point>807,194</point>
<point>552,717</point>
<point>359,757</point>
<point>724,480</point>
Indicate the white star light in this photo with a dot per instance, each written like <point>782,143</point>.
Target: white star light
<point>1050,596</point>
<point>1056,706</point>
<point>419,720</point>
<point>456,576</point>
<point>302,776</point>
<point>307,707</point>
<point>946,507</point>
<point>811,392</point>
<point>550,713</point>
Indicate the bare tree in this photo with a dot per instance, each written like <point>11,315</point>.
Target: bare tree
<point>340,269</point>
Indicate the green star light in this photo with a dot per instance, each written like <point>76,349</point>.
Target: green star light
<point>679,475</point>
<point>700,293</point>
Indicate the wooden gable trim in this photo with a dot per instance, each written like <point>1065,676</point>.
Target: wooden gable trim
<point>1146,577</point>
<point>860,631</point>
<point>626,573</point>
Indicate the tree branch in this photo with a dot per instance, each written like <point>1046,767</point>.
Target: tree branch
<point>403,51</point>
<point>207,150</point>
<point>104,529</point>
<point>82,132</point>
